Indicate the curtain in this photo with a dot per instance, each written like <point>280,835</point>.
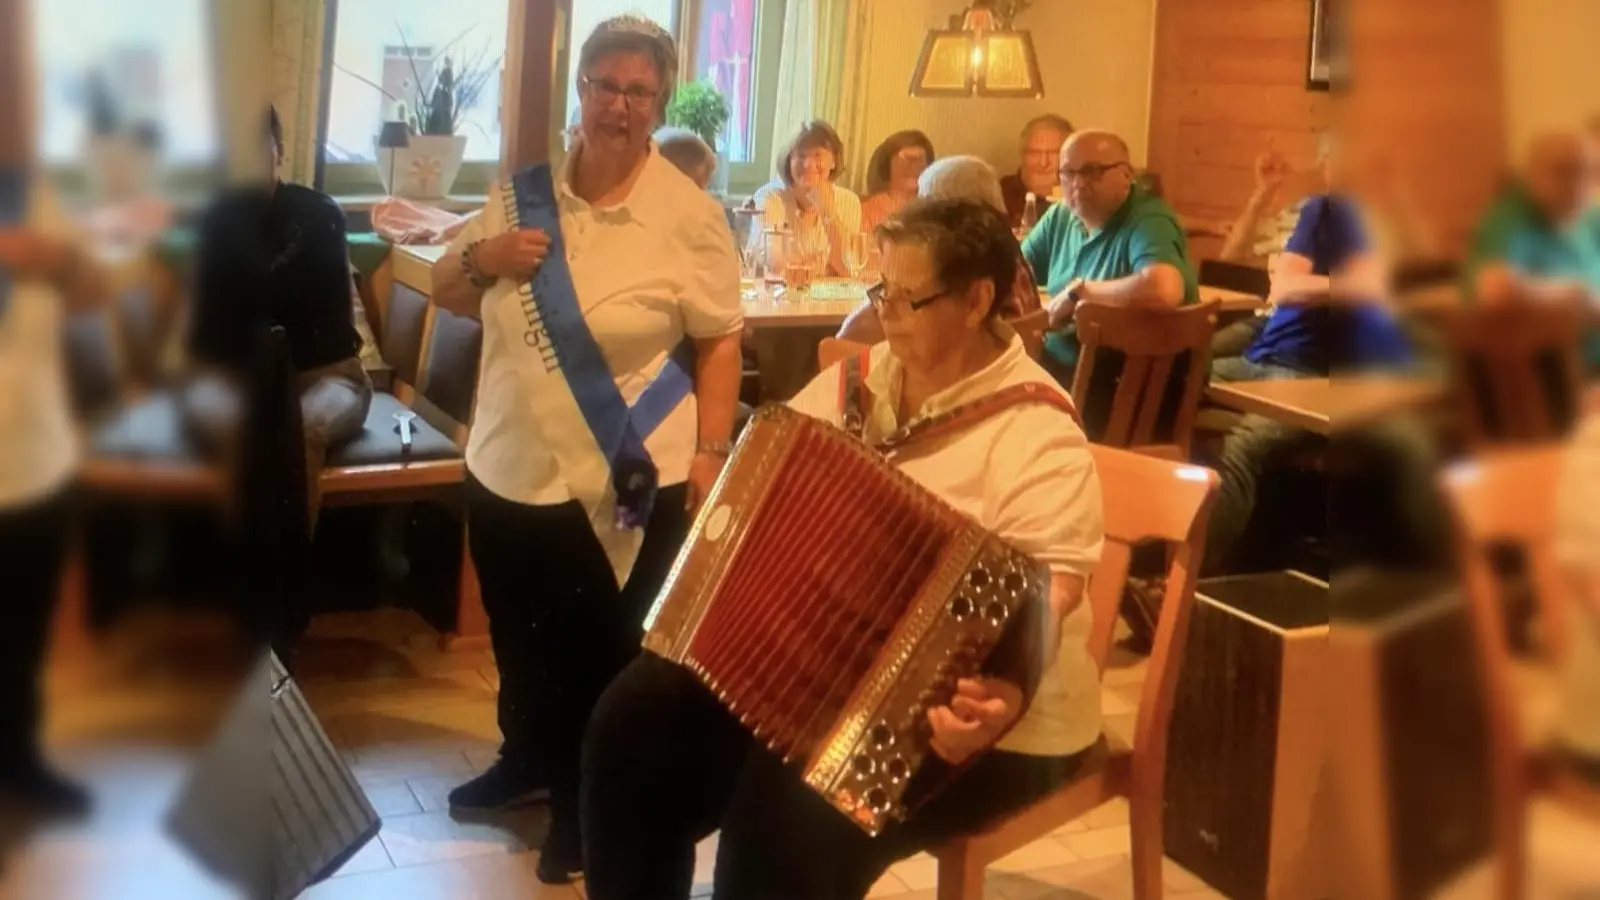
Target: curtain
<point>819,76</point>
<point>297,39</point>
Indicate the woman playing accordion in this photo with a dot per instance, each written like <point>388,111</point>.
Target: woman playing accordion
<point>666,763</point>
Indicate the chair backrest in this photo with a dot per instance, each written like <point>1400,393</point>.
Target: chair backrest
<point>1150,499</point>
<point>404,324</point>
<point>1516,374</point>
<point>1235,277</point>
<point>1165,363</point>
<point>834,350</point>
<point>1031,328</point>
<point>1507,498</point>
<point>448,375</point>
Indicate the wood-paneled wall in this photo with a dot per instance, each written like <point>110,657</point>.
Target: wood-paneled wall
<point>1229,81</point>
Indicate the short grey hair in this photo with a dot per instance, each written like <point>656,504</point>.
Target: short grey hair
<point>962,178</point>
<point>631,33</point>
<point>685,149</point>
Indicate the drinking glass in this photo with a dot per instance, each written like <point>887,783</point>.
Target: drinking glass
<point>857,248</point>
<point>752,259</point>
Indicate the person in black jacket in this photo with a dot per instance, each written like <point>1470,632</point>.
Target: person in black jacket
<point>276,257</point>
<point>272,329</point>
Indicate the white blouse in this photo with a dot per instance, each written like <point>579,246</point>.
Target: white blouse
<point>649,271</point>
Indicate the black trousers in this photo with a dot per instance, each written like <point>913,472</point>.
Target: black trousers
<point>560,627</point>
<point>665,765</point>
<point>33,546</point>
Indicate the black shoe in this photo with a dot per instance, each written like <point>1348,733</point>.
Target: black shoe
<point>561,857</point>
<point>38,788</point>
<point>499,788</point>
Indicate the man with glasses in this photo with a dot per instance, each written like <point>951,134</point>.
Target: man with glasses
<point>1110,242</point>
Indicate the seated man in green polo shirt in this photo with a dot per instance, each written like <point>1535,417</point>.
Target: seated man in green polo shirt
<point>1110,242</point>
<point>1541,240</point>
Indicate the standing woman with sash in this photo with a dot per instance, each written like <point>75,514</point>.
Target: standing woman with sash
<point>608,287</point>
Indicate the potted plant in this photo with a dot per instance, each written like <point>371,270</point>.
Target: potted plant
<point>425,166</point>
<point>701,108</point>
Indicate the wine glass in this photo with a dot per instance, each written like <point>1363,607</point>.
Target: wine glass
<point>752,258</point>
<point>856,250</point>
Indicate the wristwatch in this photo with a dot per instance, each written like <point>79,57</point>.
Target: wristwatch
<point>723,449</point>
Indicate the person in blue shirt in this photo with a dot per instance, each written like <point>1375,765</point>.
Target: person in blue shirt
<point>1328,315</point>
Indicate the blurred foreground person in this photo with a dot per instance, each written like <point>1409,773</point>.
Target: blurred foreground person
<point>273,258</point>
<point>45,275</point>
<point>1329,316</point>
<point>1578,549</point>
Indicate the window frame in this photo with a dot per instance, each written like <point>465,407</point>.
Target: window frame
<point>361,179</point>
<point>747,177</point>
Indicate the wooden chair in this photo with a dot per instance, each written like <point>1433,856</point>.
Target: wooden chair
<point>435,356</point>
<point>1156,500</point>
<point>1509,498</point>
<point>831,351</point>
<point>1515,370</point>
<point>1151,341</point>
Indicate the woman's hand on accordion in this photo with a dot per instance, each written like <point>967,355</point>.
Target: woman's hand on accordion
<point>979,713</point>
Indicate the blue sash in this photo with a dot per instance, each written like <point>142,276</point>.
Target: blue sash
<point>562,337</point>
<point>13,205</point>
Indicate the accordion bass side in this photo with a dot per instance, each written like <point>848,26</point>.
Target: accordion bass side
<point>829,602</point>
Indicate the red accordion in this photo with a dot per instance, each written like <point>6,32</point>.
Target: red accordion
<point>830,601</point>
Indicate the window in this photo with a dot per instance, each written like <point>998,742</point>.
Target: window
<point>385,53</point>
<point>725,54</point>
<point>737,46</point>
<point>148,63</point>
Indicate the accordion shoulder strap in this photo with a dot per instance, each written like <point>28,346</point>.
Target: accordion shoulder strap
<point>970,414</point>
<point>855,398</point>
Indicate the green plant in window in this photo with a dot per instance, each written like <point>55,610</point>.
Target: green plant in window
<point>701,108</point>
<point>437,102</point>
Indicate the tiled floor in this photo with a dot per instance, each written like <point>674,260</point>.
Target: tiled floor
<point>413,722</point>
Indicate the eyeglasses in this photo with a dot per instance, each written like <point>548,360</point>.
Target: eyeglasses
<point>878,295</point>
<point>1089,173</point>
<point>636,96</point>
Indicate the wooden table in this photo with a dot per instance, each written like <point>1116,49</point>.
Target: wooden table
<point>1232,301</point>
<point>1318,403</point>
<point>779,309</point>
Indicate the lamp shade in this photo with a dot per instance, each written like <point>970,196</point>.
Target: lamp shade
<point>393,135</point>
<point>978,57</point>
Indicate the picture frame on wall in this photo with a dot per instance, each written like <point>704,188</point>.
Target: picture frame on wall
<point>1324,51</point>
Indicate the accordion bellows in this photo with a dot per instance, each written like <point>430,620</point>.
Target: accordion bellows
<point>829,601</point>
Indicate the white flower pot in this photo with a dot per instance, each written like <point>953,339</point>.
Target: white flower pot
<point>423,170</point>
